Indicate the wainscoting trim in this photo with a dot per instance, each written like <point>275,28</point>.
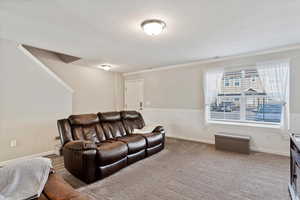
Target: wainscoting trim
<point>189,124</point>
<point>192,140</point>
<point>262,150</point>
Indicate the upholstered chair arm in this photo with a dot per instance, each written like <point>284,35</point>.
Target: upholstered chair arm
<point>159,129</point>
<point>80,145</point>
<point>57,188</point>
<point>80,158</point>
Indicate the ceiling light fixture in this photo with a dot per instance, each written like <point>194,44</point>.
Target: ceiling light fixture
<point>153,26</point>
<point>105,67</point>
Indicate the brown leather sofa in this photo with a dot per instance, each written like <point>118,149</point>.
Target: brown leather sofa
<point>97,145</point>
<point>57,189</point>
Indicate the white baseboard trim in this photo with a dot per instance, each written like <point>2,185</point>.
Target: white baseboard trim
<point>47,153</point>
<point>270,151</point>
<point>262,150</point>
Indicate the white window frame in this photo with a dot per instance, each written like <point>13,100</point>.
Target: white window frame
<point>242,121</point>
<point>227,81</point>
<point>237,81</point>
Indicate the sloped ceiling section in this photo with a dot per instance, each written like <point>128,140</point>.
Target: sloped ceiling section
<point>63,57</point>
<point>110,32</point>
<point>67,58</point>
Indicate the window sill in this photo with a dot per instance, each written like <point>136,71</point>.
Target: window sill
<point>258,125</point>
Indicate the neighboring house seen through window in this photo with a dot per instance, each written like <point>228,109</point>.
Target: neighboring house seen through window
<point>251,94</point>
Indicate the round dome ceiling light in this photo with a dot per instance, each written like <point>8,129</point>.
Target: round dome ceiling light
<point>153,26</point>
<point>105,67</point>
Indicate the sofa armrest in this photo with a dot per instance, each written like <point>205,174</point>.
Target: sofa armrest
<point>159,129</point>
<point>80,145</point>
<point>56,188</point>
<point>80,158</point>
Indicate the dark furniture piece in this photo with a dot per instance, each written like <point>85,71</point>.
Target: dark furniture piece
<point>97,145</point>
<point>57,189</point>
<point>294,185</point>
<point>234,143</point>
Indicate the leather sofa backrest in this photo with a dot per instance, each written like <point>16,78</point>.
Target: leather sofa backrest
<point>112,124</point>
<point>87,127</point>
<point>132,120</point>
<point>64,129</point>
<point>100,127</point>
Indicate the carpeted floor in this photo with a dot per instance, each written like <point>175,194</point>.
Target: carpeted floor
<point>191,171</point>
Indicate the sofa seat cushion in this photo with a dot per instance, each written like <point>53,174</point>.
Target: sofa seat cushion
<point>109,152</point>
<point>153,139</point>
<point>135,143</point>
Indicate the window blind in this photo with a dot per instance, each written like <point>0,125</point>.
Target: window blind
<point>256,94</point>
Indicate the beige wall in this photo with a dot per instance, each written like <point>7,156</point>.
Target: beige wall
<point>182,87</point>
<point>175,97</point>
<point>31,101</point>
<point>95,90</point>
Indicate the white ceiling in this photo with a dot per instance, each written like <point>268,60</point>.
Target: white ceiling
<point>109,31</point>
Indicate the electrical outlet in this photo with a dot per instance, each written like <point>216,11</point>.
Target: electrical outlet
<point>13,143</point>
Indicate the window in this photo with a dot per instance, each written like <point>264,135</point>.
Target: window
<point>237,83</point>
<point>256,95</point>
<point>226,82</point>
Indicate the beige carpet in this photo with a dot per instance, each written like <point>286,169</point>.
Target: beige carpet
<point>192,171</point>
